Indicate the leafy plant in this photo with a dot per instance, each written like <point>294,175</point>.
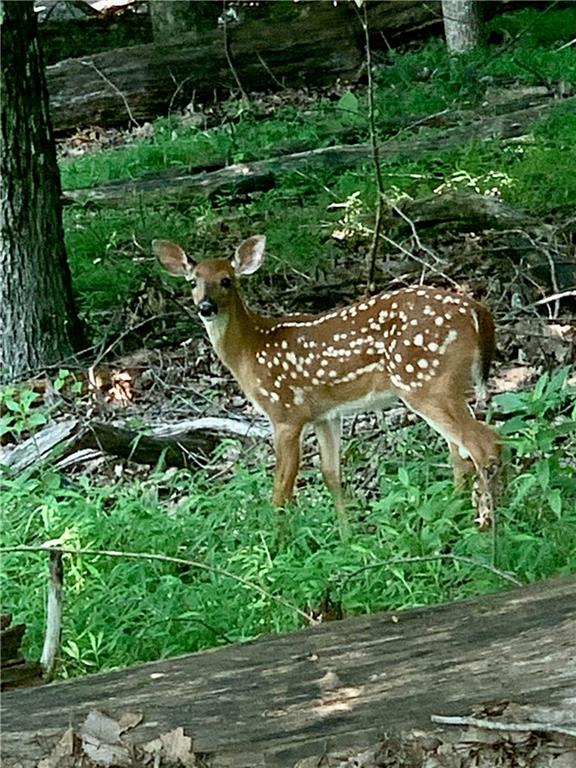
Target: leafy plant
<point>17,414</point>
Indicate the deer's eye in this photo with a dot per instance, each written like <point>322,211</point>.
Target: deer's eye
<point>226,282</point>
<point>192,282</point>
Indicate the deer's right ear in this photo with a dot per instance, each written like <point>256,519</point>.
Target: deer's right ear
<point>173,258</point>
<point>249,255</point>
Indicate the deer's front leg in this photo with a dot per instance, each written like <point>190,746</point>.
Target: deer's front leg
<point>287,447</point>
<point>328,434</point>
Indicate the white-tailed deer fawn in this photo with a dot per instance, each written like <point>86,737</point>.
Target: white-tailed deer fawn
<point>424,346</point>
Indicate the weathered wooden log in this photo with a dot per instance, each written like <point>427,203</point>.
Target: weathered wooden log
<point>184,444</point>
<point>465,210</point>
<point>15,671</point>
<point>323,689</point>
<point>322,44</point>
<point>261,174</point>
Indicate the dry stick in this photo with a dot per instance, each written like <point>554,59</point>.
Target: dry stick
<point>179,87</point>
<point>116,89</point>
<point>162,559</point>
<point>272,75</point>
<point>431,558</point>
<point>546,300</point>
<point>53,613</point>
<point>424,263</point>
<point>227,53</point>
<point>554,297</point>
<point>420,245</point>
<point>496,725</point>
<point>375,153</point>
<point>554,281</point>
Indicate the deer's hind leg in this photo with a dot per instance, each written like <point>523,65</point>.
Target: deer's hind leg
<point>328,432</point>
<point>470,440</point>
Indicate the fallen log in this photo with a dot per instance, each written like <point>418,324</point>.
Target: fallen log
<point>506,657</point>
<point>321,45</point>
<point>189,443</point>
<point>260,175</point>
<point>465,210</point>
<point>15,670</point>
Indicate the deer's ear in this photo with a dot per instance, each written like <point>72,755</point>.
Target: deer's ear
<point>173,258</point>
<point>249,255</point>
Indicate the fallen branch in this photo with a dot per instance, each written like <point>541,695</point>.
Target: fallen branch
<point>499,725</point>
<point>429,559</point>
<point>241,178</point>
<point>53,614</point>
<point>187,443</point>
<point>163,559</point>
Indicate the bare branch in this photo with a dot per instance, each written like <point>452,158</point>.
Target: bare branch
<point>499,725</point>
<point>115,88</point>
<point>163,559</point>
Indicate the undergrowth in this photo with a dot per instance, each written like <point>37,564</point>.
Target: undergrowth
<point>120,611</point>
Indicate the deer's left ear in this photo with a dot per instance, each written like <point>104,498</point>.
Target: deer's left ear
<point>249,255</point>
<point>173,258</point>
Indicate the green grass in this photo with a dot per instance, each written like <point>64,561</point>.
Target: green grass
<point>535,175</point>
<point>120,611</point>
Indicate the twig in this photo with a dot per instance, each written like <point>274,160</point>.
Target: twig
<point>554,281</point>
<point>272,75</point>
<point>546,300</point>
<point>177,91</point>
<point>429,559</point>
<point>420,260</point>
<point>375,152</point>
<point>53,614</point>
<point>554,297</point>
<point>497,725</point>
<point>115,88</point>
<point>415,235</point>
<point>228,56</point>
<point>163,559</point>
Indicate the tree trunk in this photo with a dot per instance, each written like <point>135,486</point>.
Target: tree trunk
<point>37,316</point>
<point>172,18</point>
<point>461,25</point>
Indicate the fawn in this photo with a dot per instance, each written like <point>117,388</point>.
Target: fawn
<point>424,346</point>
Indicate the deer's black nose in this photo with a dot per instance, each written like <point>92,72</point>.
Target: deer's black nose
<point>207,308</point>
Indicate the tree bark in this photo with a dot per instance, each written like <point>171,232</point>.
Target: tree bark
<point>39,323</point>
<point>173,18</point>
<point>461,25</point>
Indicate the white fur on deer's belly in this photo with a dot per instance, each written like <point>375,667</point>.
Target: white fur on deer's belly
<point>373,401</point>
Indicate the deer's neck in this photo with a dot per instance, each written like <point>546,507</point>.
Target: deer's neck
<point>236,336</point>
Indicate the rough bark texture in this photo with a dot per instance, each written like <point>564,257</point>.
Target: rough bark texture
<point>461,24</point>
<point>341,684</point>
<point>172,18</point>
<point>37,317</point>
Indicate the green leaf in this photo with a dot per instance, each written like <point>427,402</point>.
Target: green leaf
<point>509,402</point>
<point>349,102</point>
<point>555,501</point>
